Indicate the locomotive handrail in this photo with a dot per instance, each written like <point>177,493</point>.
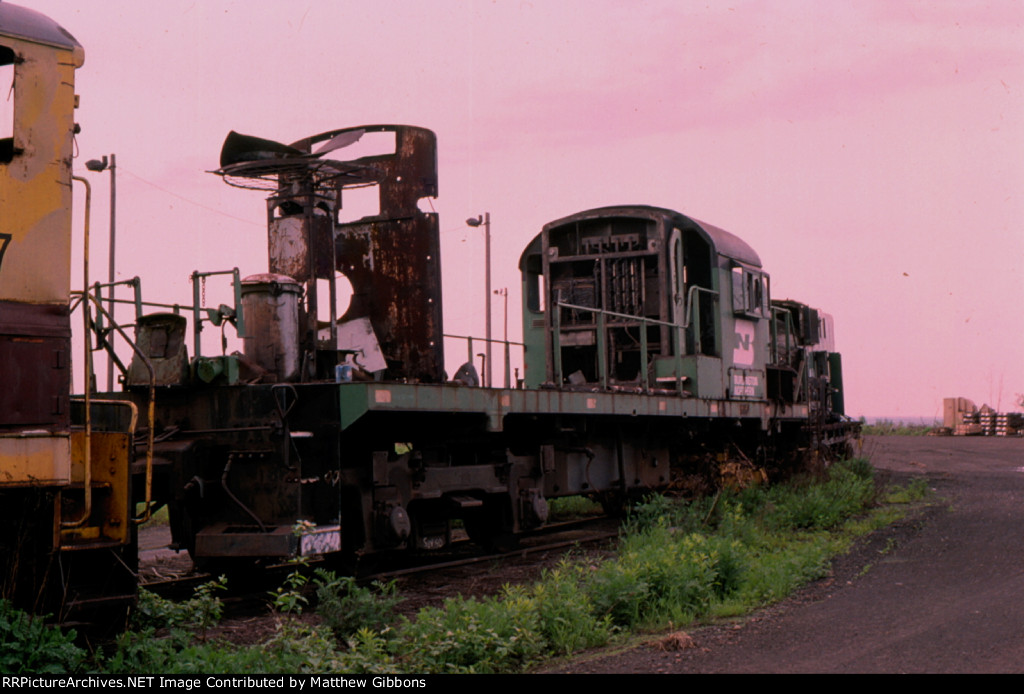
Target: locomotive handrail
<point>691,315</point>
<point>150,409</point>
<point>602,365</point>
<point>508,357</point>
<point>87,320</point>
<point>197,308</point>
<point>198,300</point>
<point>803,377</point>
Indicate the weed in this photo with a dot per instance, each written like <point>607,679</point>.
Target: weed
<point>848,489</point>
<point>915,490</point>
<point>28,645</point>
<point>467,635</point>
<point>347,607</point>
<point>889,427</point>
<point>197,615</point>
<point>678,562</point>
<point>288,599</point>
<point>568,619</point>
<point>567,507</point>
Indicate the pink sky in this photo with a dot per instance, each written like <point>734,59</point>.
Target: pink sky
<point>872,152</point>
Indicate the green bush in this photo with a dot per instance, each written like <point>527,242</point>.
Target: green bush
<point>347,607</point>
<point>30,646</point>
<point>467,635</point>
<point>568,619</point>
<point>848,490</point>
<point>197,614</point>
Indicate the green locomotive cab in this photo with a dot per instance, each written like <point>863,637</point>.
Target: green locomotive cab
<point>644,299</point>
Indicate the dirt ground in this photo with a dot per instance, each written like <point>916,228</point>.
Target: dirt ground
<point>937,593</point>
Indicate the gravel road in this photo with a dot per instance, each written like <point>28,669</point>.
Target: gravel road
<point>942,592</point>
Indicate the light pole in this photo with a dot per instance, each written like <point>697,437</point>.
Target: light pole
<point>485,219</point>
<point>102,165</point>
<point>503,292</point>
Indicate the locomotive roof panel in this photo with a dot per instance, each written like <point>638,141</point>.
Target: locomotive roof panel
<point>724,242</point>
<point>29,25</point>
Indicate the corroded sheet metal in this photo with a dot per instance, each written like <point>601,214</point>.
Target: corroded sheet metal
<point>270,304</point>
<point>395,272</point>
<point>35,374</point>
<point>161,337</point>
<point>393,260</point>
<point>289,246</point>
<point>35,460</point>
<point>110,520</point>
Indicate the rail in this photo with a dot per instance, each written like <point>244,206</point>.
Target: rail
<point>151,400</point>
<point>691,316</point>
<point>200,313</point>
<point>507,357</point>
<point>803,376</point>
<point>84,299</point>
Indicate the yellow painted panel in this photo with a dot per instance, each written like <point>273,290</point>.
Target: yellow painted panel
<point>43,460</point>
<point>110,517</point>
<point>35,186</point>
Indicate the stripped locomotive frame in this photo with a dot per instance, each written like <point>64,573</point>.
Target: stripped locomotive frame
<point>652,353</point>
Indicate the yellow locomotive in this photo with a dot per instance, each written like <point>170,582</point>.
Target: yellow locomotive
<point>66,529</point>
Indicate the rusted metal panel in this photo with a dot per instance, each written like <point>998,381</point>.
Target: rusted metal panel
<point>393,261</point>
<point>395,270</point>
<point>161,337</point>
<point>270,305</point>
<point>224,540</point>
<point>35,343</point>
<point>301,239</point>
<point>392,258</point>
<point>30,460</point>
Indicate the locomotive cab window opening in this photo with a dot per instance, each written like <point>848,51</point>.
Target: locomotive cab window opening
<point>534,281</point>
<point>750,296</point>
<point>7,84</point>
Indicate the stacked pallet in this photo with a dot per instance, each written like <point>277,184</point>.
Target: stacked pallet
<point>987,419</point>
<point>964,419</point>
<point>1009,423</point>
<point>966,416</point>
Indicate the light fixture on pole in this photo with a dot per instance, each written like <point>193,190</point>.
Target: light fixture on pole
<point>485,220</point>
<point>104,165</point>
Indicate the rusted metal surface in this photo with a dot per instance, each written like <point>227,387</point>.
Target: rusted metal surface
<point>161,337</point>
<point>34,357</point>
<point>393,259</point>
<point>270,304</point>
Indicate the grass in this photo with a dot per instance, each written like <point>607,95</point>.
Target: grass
<point>569,507</point>
<point>679,563</point>
<point>888,427</point>
<point>159,518</point>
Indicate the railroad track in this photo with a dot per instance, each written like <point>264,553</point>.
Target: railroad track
<point>172,575</point>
